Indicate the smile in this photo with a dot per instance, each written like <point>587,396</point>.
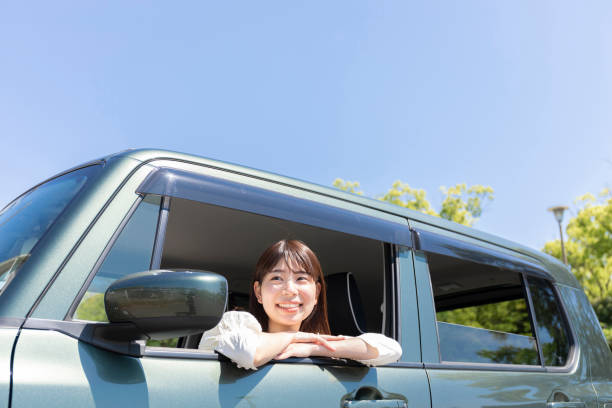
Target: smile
<point>289,306</point>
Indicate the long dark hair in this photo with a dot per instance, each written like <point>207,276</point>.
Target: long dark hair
<point>293,252</point>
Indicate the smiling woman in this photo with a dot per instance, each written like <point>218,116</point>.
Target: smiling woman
<point>289,317</point>
<point>286,288</point>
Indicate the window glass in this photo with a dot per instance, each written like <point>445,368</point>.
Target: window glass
<point>552,331</point>
<point>25,220</point>
<point>130,253</point>
<point>482,313</point>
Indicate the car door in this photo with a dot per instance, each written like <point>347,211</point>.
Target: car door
<point>495,332</point>
<point>191,218</point>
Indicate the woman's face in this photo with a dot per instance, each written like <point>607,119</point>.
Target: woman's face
<point>287,296</point>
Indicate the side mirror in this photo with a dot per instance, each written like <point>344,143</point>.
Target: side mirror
<point>162,304</point>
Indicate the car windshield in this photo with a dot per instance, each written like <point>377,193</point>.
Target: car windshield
<point>24,221</point>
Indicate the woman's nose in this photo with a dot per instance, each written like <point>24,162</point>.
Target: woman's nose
<point>289,286</point>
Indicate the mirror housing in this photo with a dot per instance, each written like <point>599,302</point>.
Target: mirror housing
<point>162,304</point>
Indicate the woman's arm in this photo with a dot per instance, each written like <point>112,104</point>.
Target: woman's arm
<point>370,349</point>
<point>239,337</point>
<point>352,348</point>
<point>271,345</point>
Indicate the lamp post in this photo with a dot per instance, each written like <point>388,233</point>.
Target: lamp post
<point>558,213</point>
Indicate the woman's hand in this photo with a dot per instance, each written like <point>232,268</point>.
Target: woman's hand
<point>324,340</point>
<point>330,346</point>
<point>301,350</point>
<point>309,344</point>
<point>272,345</point>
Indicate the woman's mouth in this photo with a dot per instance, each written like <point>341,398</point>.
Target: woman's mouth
<point>289,307</point>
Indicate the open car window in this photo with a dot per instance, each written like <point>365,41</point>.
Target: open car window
<point>227,241</point>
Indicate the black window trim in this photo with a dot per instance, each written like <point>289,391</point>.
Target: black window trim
<point>430,242</point>
<point>160,232</point>
<point>392,298</point>
<point>532,316</point>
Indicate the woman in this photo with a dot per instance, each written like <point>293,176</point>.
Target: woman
<point>289,317</point>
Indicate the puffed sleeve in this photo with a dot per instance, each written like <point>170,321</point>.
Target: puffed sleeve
<point>236,337</point>
<point>389,350</point>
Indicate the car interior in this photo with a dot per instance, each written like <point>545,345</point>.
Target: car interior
<point>229,242</point>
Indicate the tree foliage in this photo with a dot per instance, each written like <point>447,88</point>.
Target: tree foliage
<point>461,204</point>
<point>92,308</point>
<point>589,252</point>
<point>489,316</point>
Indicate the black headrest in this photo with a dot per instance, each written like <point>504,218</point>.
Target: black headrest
<point>344,307</point>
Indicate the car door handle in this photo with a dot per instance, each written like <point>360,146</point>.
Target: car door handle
<point>382,403</point>
<point>565,405</point>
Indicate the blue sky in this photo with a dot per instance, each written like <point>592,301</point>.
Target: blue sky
<point>512,94</point>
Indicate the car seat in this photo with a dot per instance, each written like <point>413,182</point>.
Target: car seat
<point>344,305</point>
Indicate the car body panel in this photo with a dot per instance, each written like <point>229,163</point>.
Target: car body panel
<point>54,370</point>
<point>474,388</point>
<point>427,314</point>
<point>409,328</point>
<point>592,340</point>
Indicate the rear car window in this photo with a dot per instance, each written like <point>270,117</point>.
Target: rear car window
<point>483,315</point>
<point>25,220</point>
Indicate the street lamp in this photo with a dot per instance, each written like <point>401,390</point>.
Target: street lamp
<point>558,213</point>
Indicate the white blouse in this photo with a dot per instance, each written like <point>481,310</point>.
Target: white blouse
<point>237,337</point>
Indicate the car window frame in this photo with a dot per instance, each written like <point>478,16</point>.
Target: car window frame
<point>396,234</point>
<point>430,242</point>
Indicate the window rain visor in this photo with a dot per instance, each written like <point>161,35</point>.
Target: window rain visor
<point>24,221</point>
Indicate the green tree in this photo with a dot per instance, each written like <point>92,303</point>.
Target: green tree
<point>461,204</point>
<point>92,308</point>
<point>589,252</point>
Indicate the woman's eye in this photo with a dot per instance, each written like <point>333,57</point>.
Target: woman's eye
<point>275,278</point>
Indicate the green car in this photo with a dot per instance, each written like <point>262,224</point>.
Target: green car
<point>111,271</point>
